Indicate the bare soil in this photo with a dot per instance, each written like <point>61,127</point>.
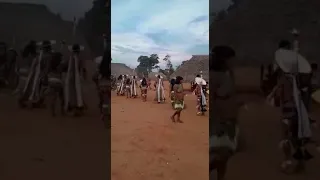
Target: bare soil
<point>147,145</point>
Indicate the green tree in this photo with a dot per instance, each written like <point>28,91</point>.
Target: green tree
<point>169,70</point>
<point>147,64</point>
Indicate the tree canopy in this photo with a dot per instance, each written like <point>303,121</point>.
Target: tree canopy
<point>147,64</point>
<point>169,70</point>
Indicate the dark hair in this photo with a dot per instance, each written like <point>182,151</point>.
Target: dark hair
<point>76,48</point>
<point>120,77</point>
<point>173,81</point>
<point>314,66</point>
<point>284,44</point>
<point>198,75</point>
<point>144,82</point>
<point>178,79</point>
<point>30,49</point>
<point>46,45</point>
<point>218,57</point>
<point>159,76</point>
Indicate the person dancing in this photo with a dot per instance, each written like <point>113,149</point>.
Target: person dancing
<point>160,96</point>
<point>133,87</point>
<point>144,89</point>
<point>223,126</point>
<point>178,99</point>
<point>172,83</point>
<point>127,82</point>
<point>120,87</point>
<point>201,97</point>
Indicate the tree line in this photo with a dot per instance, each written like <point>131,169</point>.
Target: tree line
<point>149,63</point>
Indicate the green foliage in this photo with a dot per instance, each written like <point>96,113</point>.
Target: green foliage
<point>169,70</point>
<point>147,64</point>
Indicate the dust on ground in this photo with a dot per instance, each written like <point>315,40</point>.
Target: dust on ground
<point>147,145</point>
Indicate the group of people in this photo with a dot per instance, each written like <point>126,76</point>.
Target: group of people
<point>43,73</point>
<point>294,79</point>
<point>128,85</point>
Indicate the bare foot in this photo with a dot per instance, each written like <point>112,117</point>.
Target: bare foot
<point>172,118</point>
<point>179,121</point>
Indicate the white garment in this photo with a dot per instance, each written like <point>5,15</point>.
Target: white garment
<point>304,130</point>
<point>198,80</point>
<point>291,62</point>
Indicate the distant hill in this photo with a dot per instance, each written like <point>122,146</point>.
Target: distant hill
<point>21,22</point>
<point>120,68</point>
<point>254,28</point>
<point>190,68</point>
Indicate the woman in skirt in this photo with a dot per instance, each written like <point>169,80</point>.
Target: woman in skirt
<point>178,100</point>
<point>223,127</point>
<point>127,85</point>
<point>144,89</point>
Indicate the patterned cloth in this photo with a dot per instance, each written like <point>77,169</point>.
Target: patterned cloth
<point>178,104</point>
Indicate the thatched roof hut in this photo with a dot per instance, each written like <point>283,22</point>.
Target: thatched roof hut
<point>190,68</point>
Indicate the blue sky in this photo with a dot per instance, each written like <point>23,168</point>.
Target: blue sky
<point>179,28</point>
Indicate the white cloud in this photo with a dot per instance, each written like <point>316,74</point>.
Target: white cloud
<point>137,44</point>
<point>170,16</point>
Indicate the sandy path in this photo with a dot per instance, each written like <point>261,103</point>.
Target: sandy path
<point>146,145</point>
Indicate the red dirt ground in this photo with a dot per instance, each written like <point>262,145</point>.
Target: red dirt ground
<point>146,145</point>
<point>36,146</point>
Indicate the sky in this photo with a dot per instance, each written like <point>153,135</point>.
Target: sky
<point>179,28</point>
<point>67,8</point>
